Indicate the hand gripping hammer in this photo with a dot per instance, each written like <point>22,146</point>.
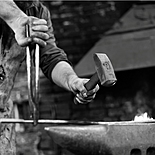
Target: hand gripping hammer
<point>33,78</point>
<point>104,73</point>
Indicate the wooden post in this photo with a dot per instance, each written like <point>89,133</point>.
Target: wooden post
<point>11,56</point>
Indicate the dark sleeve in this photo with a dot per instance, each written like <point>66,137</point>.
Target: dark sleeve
<point>51,54</point>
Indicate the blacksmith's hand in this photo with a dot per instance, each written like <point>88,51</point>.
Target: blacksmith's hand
<point>82,95</point>
<point>38,31</point>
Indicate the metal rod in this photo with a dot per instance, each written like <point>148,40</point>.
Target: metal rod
<point>73,122</point>
<point>37,74</point>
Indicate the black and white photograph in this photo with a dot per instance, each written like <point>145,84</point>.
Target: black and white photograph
<point>77,77</point>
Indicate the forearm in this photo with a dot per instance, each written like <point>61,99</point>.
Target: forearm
<point>63,74</point>
<point>10,12</point>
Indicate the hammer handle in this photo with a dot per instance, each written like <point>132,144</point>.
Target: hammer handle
<point>94,80</point>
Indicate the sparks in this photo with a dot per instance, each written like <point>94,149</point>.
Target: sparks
<point>143,117</point>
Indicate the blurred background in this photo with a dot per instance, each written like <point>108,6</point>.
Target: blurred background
<point>125,31</point>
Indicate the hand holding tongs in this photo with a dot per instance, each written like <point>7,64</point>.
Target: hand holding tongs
<point>33,77</point>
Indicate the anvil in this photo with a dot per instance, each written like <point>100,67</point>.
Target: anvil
<point>121,138</point>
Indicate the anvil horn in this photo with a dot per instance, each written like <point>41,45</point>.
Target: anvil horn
<point>105,139</point>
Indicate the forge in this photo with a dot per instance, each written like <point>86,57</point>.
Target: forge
<point>121,138</point>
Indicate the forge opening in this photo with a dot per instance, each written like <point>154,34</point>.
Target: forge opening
<point>150,151</point>
<point>135,152</point>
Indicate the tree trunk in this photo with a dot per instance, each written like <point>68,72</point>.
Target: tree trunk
<point>11,56</point>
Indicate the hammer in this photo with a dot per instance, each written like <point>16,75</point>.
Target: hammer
<point>104,73</point>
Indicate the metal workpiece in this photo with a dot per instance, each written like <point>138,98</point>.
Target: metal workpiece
<point>107,139</point>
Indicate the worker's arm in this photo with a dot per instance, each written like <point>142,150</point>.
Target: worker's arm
<point>64,76</point>
<point>17,20</point>
<point>9,12</point>
<point>12,15</point>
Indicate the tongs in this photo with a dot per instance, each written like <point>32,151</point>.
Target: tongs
<point>32,52</point>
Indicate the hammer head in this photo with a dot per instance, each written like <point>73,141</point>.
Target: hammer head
<point>104,69</point>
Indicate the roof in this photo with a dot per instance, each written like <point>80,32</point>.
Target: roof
<point>129,45</point>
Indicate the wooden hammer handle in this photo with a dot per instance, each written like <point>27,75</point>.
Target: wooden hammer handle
<point>94,80</point>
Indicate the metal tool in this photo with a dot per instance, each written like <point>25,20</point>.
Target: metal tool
<point>107,139</point>
<point>33,78</point>
<point>104,73</point>
<point>74,122</point>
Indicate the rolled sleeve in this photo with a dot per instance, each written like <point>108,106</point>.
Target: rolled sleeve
<point>50,55</point>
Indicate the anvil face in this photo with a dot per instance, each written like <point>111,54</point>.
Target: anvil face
<point>120,139</point>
